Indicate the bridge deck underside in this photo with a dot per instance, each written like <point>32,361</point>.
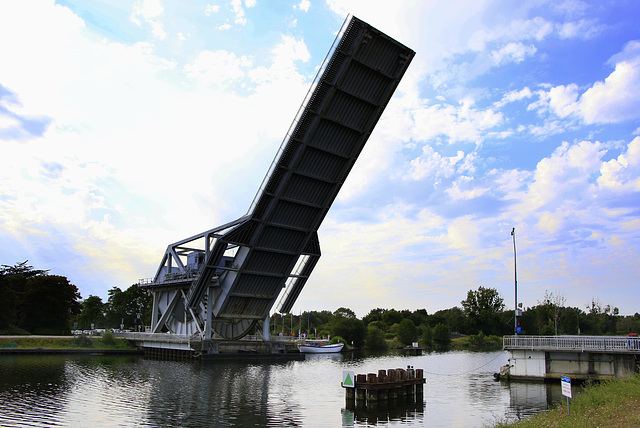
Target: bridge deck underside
<point>316,158</point>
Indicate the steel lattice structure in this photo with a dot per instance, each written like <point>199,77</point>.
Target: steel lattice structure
<point>222,281</point>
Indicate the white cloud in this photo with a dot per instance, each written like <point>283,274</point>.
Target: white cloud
<point>565,174</point>
<point>219,67</point>
<point>238,10</point>
<point>8,122</point>
<point>617,98</point>
<point>464,188</point>
<point>463,123</point>
<point>150,11</point>
<point>622,173</point>
<point>614,100</point>
<point>304,5</point>
<point>585,29</point>
<point>563,99</point>
<point>433,165</point>
<point>512,52</point>
<point>210,9</point>
<point>513,96</point>
<point>517,30</point>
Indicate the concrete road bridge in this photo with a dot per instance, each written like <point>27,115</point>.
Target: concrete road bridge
<point>578,357</point>
<point>221,282</point>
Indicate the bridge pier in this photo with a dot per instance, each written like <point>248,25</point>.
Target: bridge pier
<point>173,345</point>
<point>579,357</point>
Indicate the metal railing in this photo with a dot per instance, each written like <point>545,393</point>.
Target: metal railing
<point>574,343</point>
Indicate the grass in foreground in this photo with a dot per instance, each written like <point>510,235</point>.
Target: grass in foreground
<point>613,404</point>
<point>79,342</point>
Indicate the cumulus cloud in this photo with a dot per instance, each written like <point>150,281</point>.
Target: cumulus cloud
<point>565,174</point>
<point>622,173</point>
<point>618,97</point>
<point>304,5</point>
<point>210,9</point>
<point>456,123</point>
<point>434,165</point>
<point>464,188</point>
<point>218,67</point>
<point>585,29</point>
<point>150,12</point>
<point>614,100</point>
<point>512,52</point>
<point>513,96</point>
<point>563,99</point>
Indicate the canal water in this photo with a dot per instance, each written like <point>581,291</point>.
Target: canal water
<point>132,391</point>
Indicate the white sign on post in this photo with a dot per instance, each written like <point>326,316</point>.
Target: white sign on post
<point>566,386</point>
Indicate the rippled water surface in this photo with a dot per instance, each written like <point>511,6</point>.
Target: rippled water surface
<point>107,391</point>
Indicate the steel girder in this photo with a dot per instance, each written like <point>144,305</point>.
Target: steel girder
<point>235,273</point>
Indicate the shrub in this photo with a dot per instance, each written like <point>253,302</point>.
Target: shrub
<point>108,338</point>
<point>441,337</point>
<point>375,338</point>
<point>83,341</point>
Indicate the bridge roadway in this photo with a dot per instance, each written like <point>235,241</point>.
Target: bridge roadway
<point>579,357</point>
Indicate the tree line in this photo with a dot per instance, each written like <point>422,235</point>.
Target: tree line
<point>33,301</point>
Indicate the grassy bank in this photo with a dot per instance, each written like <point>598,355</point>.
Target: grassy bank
<point>612,404</point>
<point>106,341</point>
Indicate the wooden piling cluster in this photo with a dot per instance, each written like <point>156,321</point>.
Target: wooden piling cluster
<point>398,386</point>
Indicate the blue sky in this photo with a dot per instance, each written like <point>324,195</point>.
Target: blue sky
<point>126,126</point>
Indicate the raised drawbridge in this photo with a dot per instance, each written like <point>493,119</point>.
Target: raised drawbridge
<point>221,282</point>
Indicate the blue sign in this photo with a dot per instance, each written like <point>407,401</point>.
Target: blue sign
<point>518,329</point>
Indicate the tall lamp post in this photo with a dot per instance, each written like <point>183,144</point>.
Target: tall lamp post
<point>515,273</point>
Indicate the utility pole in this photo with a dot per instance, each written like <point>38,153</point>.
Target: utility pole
<point>515,273</point>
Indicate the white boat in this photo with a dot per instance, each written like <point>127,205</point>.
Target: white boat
<point>319,347</point>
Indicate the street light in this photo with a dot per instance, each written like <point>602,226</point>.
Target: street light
<point>515,273</point>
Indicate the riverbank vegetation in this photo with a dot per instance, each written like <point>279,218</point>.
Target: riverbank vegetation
<point>106,341</point>
<point>613,403</point>
<point>34,302</point>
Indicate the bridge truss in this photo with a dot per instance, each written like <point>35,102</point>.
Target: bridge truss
<point>223,281</point>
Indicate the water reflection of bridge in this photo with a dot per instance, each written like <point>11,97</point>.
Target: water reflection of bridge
<point>579,357</point>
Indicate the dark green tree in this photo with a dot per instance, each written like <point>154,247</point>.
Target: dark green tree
<point>351,329</point>
<point>407,332</point>
<point>375,339</point>
<point>483,308</point>
<point>344,313</point>
<point>420,317</point>
<point>427,336</point>
<point>373,315</point>
<point>454,318</point>
<point>391,317</point>
<point>92,312</point>
<point>441,337</point>
<point>48,303</point>
<point>123,307</point>
<point>629,324</point>
<point>13,282</point>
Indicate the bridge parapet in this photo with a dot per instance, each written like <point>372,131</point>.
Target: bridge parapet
<point>609,344</point>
